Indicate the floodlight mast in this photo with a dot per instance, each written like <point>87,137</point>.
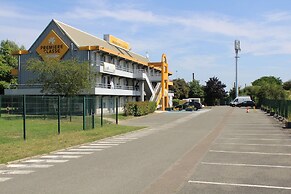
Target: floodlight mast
<point>237,49</point>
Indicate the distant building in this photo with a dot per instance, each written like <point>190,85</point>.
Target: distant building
<point>120,72</point>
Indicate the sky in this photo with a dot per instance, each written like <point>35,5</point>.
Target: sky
<point>197,36</point>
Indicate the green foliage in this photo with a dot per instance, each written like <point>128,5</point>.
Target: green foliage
<point>7,62</point>
<point>267,80</point>
<point>152,106</point>
<point>195,89</point>
<point>231,93</point>
<point>214,91</point>
<point>267,87</point>
<point>180,88</point>
<point>176,102</point>
<point>129,108</point>
<point>67,77</point>
<point>139,108</point>
<point>287,85</point>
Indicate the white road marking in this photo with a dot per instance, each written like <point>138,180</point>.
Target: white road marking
<point>245,165</point>
<point>115,142</point>
<point>247,134</point>
<point>60,156</point>
<point>257,139</point>
<point>85,149</point>
<point>95,146</point>
<point>259,153</point>
<point>45,161</point>
<point>29,165</point>
<point>255,144</point>
<point>240,185</point>
<point>16,171</point>
<point>104,144</point>
<point>73,153</point>
<point>4,179</point>
<point>126,138</point>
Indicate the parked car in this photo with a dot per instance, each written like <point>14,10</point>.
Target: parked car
<point>189,106</point>
<point>246,104</point>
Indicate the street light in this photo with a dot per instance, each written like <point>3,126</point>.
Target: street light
<point>237,49</point>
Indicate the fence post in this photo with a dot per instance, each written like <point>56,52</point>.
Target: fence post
<point>0,105</point>
<point>101,111</point>
<point>59,115</point>
<point>24,116</point>
<point>70,107</point>
<point>84,112</point>
<point>93,108</point>
<point>116,107</point>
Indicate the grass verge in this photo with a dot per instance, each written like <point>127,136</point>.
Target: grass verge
<point>42,135</point>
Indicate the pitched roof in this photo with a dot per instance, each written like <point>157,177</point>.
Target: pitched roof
<point>82,39</point>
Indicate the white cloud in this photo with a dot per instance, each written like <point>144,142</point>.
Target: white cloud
<point>278,16</point>
<point>260,37</point>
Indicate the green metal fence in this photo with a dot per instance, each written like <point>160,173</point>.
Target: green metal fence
<point>79,112</point>
<point>279,107</point>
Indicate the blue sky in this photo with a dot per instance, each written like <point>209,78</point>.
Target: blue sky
<point>197,36</point>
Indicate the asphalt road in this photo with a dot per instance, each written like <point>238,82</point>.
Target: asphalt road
<point>222,150</point>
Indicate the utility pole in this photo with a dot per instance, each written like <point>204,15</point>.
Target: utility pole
<point>237,49</point>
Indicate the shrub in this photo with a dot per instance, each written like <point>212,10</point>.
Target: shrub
<point>129,108</point>
<point>176,102</point>
<point>152,107</point>
<point>139,108</point>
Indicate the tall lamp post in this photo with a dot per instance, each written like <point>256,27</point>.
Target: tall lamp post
<point>237,49</point>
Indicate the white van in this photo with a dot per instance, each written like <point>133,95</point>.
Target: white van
<point>239,100</point>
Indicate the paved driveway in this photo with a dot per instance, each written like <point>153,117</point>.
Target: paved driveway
<point>251,155</point>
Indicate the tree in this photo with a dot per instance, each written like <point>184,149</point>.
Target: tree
<point>214,91</point>
<point>180,88</point>
<point>267,80</point>
<point>287,85</point>
<point>231,93</point>
<point>268,87</point>
<point>195,89</point>
<point>67,77</point>
<point>7,62</point>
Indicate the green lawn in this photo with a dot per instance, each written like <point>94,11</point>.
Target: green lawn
<point>42,135</point>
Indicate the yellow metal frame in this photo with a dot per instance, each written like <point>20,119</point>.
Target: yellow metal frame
<point>164,68</point>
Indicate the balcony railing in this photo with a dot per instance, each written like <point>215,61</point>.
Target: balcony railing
<point>122,87</point>
<point>129,70</point>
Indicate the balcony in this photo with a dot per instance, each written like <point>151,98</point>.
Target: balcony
<point>117,90</point>
<point>112,69</point>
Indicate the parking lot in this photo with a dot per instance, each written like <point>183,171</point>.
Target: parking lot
<point>251,155</point>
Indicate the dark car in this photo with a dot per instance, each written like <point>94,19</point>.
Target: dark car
<point>247,103</point>
<point>189,106</point>
<point>197,105</point>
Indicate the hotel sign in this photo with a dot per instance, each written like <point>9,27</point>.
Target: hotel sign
<point>116,41</point>
<point>52,47</point>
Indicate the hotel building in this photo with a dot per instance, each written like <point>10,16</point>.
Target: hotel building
<point>119,71</point>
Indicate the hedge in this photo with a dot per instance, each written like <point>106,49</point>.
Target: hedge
<point>139,108</point>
